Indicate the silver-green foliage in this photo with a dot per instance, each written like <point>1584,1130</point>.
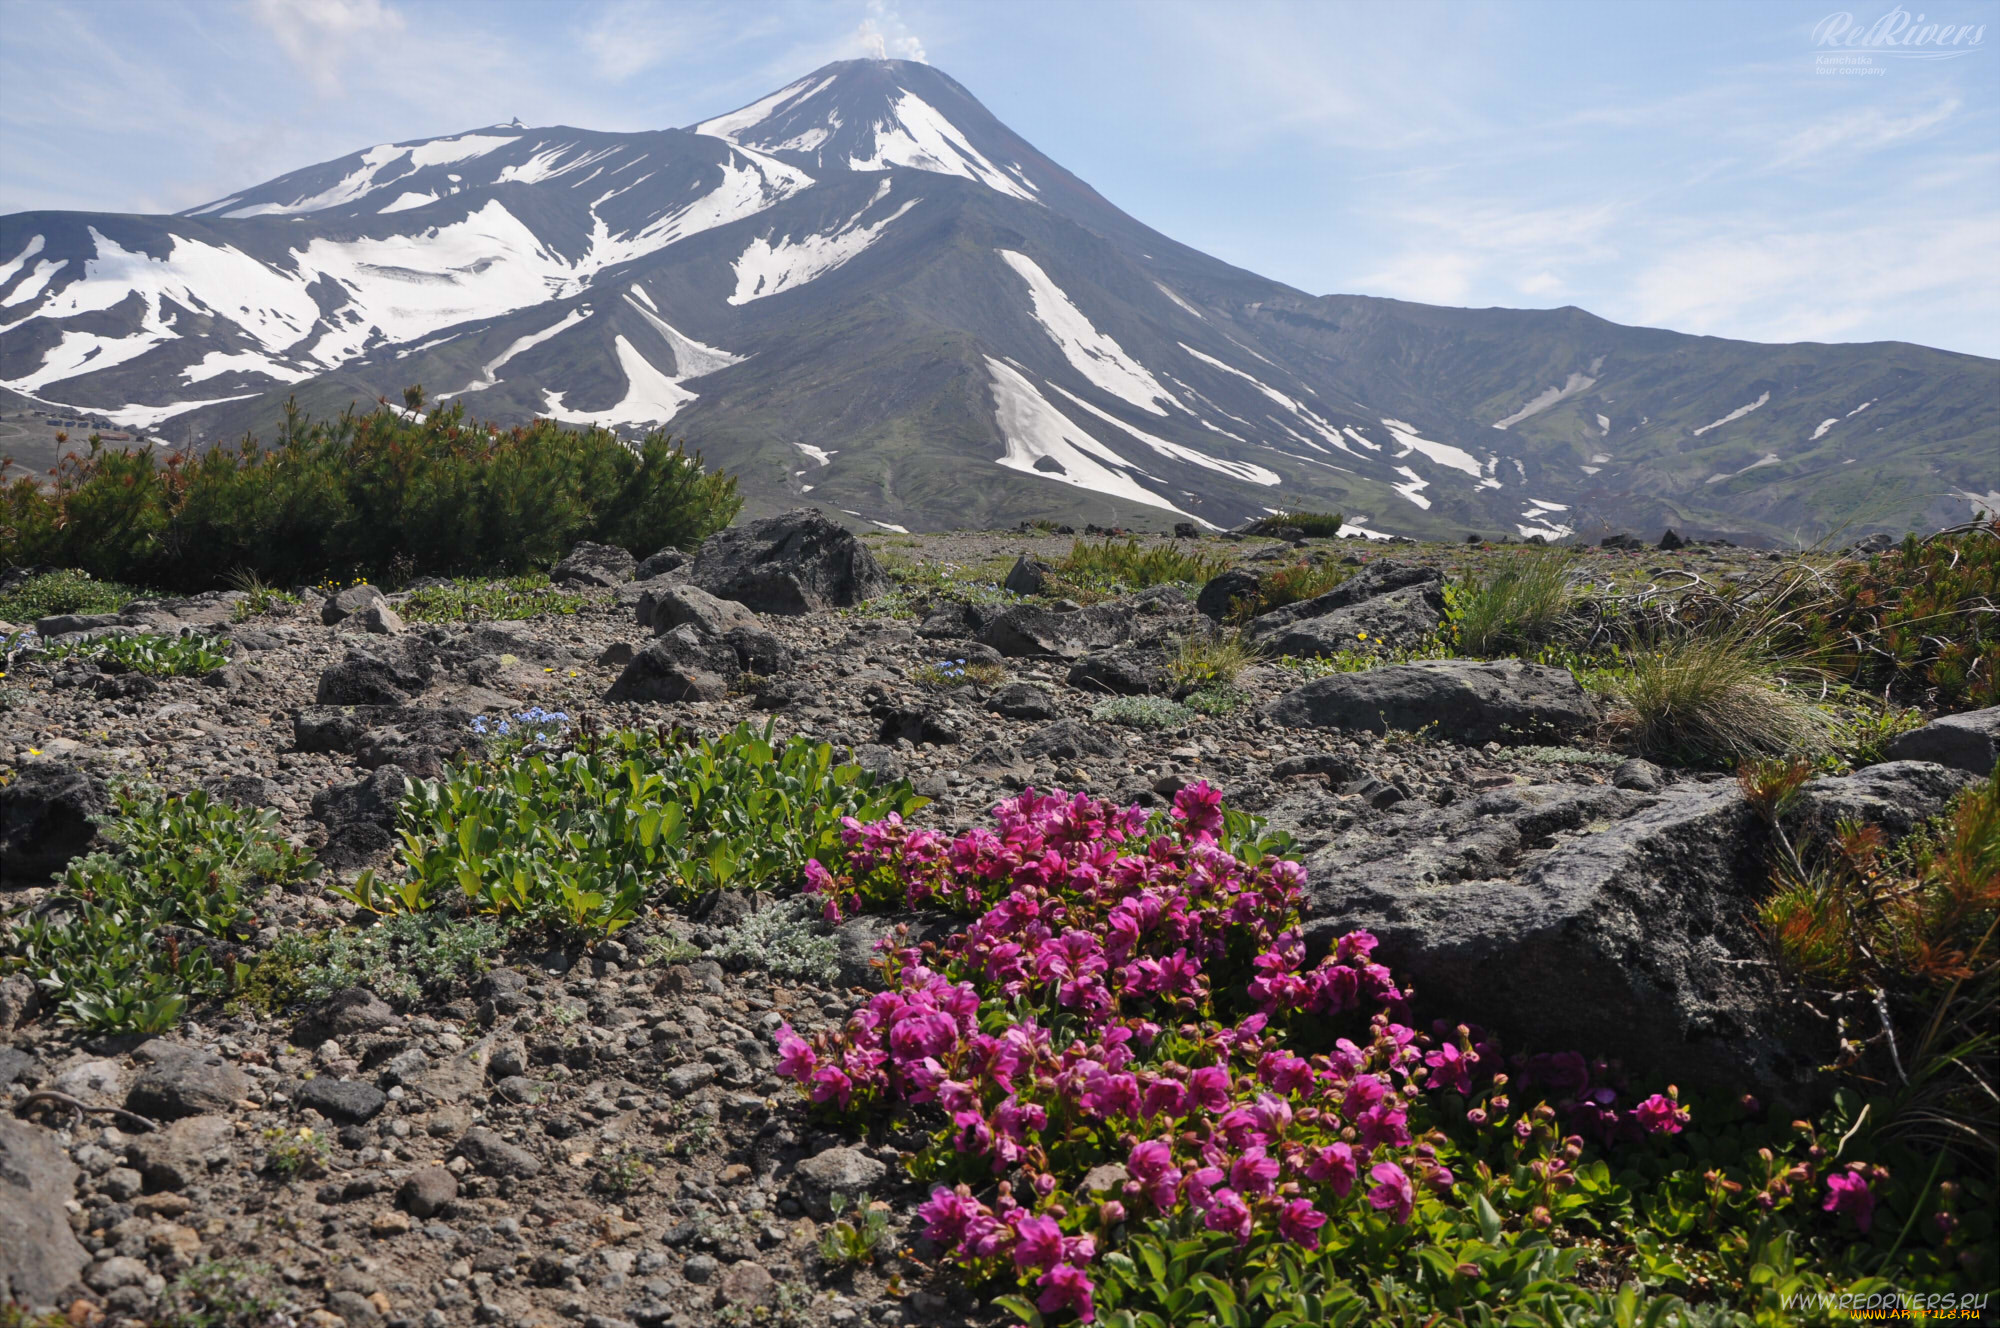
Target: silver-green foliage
<point>786,940</point>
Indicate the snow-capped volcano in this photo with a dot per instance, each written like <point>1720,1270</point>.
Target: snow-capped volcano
<point>866,289</point>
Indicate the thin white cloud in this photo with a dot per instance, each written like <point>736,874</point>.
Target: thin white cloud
<point>320,35</point>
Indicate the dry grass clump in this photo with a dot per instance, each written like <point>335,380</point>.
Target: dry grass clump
<point>1517,604</point>
<point>1715,698</point>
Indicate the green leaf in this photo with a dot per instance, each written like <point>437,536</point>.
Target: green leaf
<point>1021,1308</point>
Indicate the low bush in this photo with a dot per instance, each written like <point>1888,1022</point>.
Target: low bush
<point>1510,605</point>
<point>131,935</point>
<point>1317,525</point>
<point>69,591</point>
<point>1118,565</point>
<point>1288,585</point>
<point>786,939</point>
<point>1131,996</point>
<point>375,494</point>
<point>402,959</point>
<point>149,653</point>
<point>477,599</point>
<point>575,837</point>
<point>1204,662</point>
<point>1713,698</point>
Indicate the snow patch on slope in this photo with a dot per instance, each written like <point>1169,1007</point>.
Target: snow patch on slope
<point>219,362</point>
<point>1824,425</point>
<point>488,374</point>
<point>1550,396</point>
<point>766,268</point>
<point>1442,453</point>
<point>1094,355</point>
<point>651,397</point>
<point>1733,415</point>
<point>1034,430</point>
<point>917,136</point>
<point>1238,470</point>
<point>1413,487</point>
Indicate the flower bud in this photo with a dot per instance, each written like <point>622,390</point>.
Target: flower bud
<point>1111,1212</point>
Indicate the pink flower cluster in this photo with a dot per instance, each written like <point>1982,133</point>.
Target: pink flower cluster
<point>1199,1051</point>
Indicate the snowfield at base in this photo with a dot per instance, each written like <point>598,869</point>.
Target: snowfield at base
<point>1534,521</point>
<point>488,374</point>
<point>1733,415</point>
<point>1033,429</point>
<point>1240,470</point>
<point>151,417</point>
<point>915,135</point>
<point>1348,530</point>
<point>1550,396</point>
<point>1094,355</point>
<point>692,359</point>
<point>766,268</point>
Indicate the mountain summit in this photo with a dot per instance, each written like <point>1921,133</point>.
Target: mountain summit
<point>865,289</point>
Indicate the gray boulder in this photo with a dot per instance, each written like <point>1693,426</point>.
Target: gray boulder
<point>368,679</point>
<point>1397,619</point>
<point>1469,701</point>
<point>359,817</point>
<point>842,1170</point>
<point>682,664</point>
<point>179,1155</point>
<point>1896,795</point>
<point>665,607</point>
<point>1068,740</point>
<point>1375,578</point>
<point>45,820</point>
<point>1027,576</point>
<point>346,1100</point>
<point>1970,741</point>
<point>1125,671</point>
<point>344,604</point>
<point>859,937</point>
<point>666,560</point>
<point>1022,700</point>
<point>318,728</point>
<point>799,562</point>
<point>1066,632</point>
<point>594,565</point>
<point>40,1258</point>
<point>491,1155</point>
<point>187,1082</point>
<point>1219,596</point>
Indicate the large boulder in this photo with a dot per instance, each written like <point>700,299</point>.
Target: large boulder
<point>665,607</point>
<point>1219,596</point>
<point>682,664</point>
<point>1970,741</point>
<point>594,565</point>
<point>1896,795</point>
<point>799,562</point>
<point>1124,671</point>
<point>46,816</point>
<point>1396,620</point>
<point>40,1259</point>
<point>1027,576</point>
<point>360,818</point>
<point>1401,602</point>
<point>364,679</point>
<point>1468,701</point>
<point>344,604</point>
<point>1064,631</point>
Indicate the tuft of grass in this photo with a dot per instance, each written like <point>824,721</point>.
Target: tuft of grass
<point>958,673</point>
<point>1316,525</point>
<point>259,597</point>
<point>1206,661</point>
<point>1130,565</point>
<point>1514,605</point>
<point>70,590</point>
<point>221,1293</point>
<point>1144,712</point>
<point>1216,701</point>
<point>1713,698</point>
<point>472,599</point>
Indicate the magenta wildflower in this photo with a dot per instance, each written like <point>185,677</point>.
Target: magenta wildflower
<point>1847,1192</point>
<point>1067,1287</point>
<point>1039,1243</point>
<point>796,1058</point>
<point>1393,1194</point>
<point>1227,1212</point>
<point>1299,1222</point>
<point>1334,1165</point>
<point>1662,1115</point>
<point>947,1214</point>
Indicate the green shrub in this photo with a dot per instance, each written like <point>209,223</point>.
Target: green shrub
<point>67,591</point>
<point>222,1293</point>
<point>373,494</point>
<point>476,599</point>
<point>1208,661</point>
<point>133,934</point>
<point>1144,712</point>
<point>1113,565</point>
<point>1216,700</point>
<point>150,653</point>
<point>1511,605</point>
<point>1713,698</point>
<point>1316,525</point>
<point>576,841</point>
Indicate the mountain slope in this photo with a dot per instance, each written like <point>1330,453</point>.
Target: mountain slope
<point>865,290</point>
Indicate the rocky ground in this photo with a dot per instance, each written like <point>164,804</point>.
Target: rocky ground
<point>598,1137</point>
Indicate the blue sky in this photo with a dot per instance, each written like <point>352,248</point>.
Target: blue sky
<point>1683,165</point>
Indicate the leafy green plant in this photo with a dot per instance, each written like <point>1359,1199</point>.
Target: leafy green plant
<point>371,494</point>
<point>1316,525</point>
<point>575,841</point>
<point>1216,701</point>
<point>623,1173</point>
<point>131,935</point>
<point>71,590</point>
<point>1862,737</point>
<point>1514,603</point>
<point>149,653</point>
<point>222,1293</point>
<point>1129,565</point>
<point>476,599</point>
<point>1144,712</point>
<point>856,1238</point>
<point>289,1154</point>
<point>402,958</point>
